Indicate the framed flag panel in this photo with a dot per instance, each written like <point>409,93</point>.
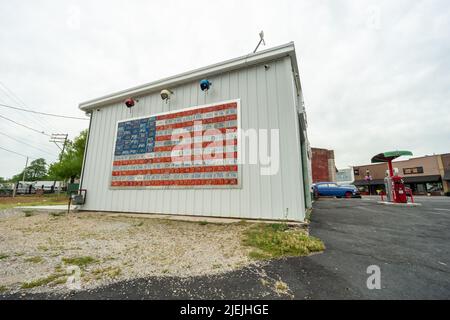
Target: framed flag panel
<point>195,147</point>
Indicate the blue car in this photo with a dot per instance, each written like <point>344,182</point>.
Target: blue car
<point>331,189</point>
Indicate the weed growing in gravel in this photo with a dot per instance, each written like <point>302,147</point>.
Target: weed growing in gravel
<point>79,261</point>
<point>29,213</point>
<point>277,240</point>
<point>34,259</point>
<point>57,214</point>
<point>281,286</point>
<point>203,223</point>
<point>3,289</point>
<point>308,215</point>
<point>55,277</point>
<point>110,272</point>
<point>61,280</point>
<point>3,256</point>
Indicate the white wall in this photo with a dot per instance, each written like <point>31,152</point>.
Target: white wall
<point>266,102</point>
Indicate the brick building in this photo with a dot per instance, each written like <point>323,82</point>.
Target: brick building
<point>323,166</point>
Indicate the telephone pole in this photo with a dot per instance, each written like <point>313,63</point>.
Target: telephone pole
<point>58,138</point>
<point>23,179</point>
<point>24,171</point>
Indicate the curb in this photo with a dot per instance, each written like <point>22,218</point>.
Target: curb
<point>409,204</point>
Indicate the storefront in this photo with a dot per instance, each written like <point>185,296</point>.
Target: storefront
<point>423,175</point>
<point>421,185</point>
<point>425,184</point>
<point>446,182</point>
<point>372,187</point>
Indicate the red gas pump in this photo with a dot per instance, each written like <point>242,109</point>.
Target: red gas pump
<point>395,187</point>
<point>398,190</point>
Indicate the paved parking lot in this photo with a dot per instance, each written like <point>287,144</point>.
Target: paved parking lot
<point>411,245</point>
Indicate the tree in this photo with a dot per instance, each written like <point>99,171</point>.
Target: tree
<point>37,170</point>
<point>71,161</point>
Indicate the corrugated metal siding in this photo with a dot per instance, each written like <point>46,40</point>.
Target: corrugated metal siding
<point>266,103</point>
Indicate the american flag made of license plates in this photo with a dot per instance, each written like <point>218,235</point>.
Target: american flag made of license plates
<point>193,147</point>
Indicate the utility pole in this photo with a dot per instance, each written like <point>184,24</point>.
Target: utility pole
<point>23,179</point>
<point>24,171</point>
<point>58,138</point>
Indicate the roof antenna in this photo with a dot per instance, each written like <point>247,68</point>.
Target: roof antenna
<point>261,36</point>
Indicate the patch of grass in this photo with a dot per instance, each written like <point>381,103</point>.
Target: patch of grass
<point>29,213</point>
<point>42,248</point>
<point>57,213</point>
<point>34,259</point>
<point>42,281</point>
<point>139,224</point>
<point>3,289</point>
<point>203,223</point>
<point>308,215</point>
<point>276,240</point>
<point>61,280</point>
<point>281,286</point>
<point>27,200</point>
<point>59,268</point>
<point>259,255</point>
<point>110,272</point>
<point>79,261</point>
<point>3,256</point>
<point>216,266</point>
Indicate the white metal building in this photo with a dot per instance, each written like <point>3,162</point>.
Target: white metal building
<point>264,91</point>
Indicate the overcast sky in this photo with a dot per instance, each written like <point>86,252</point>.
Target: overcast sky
<point>375,74</point>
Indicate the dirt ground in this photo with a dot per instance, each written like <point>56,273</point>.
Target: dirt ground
<point>44,251</point>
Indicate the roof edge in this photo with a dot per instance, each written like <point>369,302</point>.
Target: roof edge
<point>287,49</point>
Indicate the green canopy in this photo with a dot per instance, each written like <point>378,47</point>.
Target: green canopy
<point>390,155</point>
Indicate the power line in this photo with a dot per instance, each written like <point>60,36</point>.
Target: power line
<point>15,99</point>
<point>25,143</point>
<point>43,113</point>
<point>11,99</point>
<point>15,153</point>
<point>12,127</point>
<point>25,126</point>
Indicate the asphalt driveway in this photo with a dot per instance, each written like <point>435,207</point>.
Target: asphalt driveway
<point>410,245</point>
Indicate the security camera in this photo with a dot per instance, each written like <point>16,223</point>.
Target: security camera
<point>165,94</point>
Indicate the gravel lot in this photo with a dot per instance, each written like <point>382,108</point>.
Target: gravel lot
<point>36,248</point>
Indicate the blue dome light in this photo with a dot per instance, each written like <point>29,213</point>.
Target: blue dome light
<point>205,85</point>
